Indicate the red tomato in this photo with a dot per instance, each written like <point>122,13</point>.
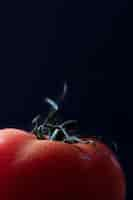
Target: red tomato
<point>33,169</point>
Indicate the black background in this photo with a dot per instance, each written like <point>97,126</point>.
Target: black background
<point>86,43</point>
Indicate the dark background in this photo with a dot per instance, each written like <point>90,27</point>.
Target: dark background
<point>86,43</point>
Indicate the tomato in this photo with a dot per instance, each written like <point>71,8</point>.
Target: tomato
<point>43,169</point>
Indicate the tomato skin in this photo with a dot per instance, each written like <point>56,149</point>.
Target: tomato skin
<point>35,169</point>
